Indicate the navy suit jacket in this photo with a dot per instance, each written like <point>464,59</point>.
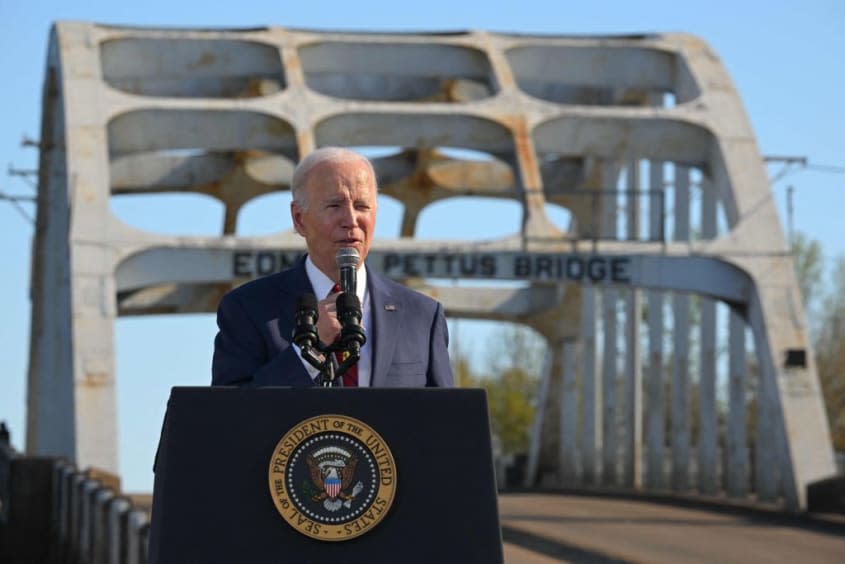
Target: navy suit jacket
<point>253,346</point>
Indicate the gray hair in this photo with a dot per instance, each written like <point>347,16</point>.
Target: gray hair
<point>319,156</point>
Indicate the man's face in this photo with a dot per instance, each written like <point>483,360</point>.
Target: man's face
<point>340,212</point>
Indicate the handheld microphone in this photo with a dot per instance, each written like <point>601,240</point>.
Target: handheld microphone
<point>305,332</point>
<point>349,313</point>
<point>347,261</point>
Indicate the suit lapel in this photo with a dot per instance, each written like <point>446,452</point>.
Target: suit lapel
<point>387,314</point>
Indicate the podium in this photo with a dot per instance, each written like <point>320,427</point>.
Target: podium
<point>246,475</point>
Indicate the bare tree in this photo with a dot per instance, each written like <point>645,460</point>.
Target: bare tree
<point>830,353</point>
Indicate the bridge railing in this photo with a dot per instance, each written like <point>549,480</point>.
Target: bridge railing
<point>53,512</point>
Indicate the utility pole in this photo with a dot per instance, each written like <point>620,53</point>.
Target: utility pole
<point>788,163</point>
<point>789,215</point>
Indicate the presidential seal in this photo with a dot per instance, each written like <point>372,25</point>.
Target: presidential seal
<point>332,477</point>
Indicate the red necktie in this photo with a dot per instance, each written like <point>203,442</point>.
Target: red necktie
<point>350,377</point>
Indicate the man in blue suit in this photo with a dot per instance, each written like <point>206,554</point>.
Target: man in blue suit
<point>334,205</point>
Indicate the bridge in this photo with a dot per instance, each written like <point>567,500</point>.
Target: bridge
<point>678,360</point>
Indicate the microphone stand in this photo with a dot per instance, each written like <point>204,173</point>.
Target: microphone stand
<point>349,341</point>
<point>330,369</point>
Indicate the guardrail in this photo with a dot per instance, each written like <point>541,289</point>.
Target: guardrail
<point>6,453</point>
<point>52,512</point>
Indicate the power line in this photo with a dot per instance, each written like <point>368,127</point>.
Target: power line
<point>15,198</point>
<point>785,159</point>
<point>24,174</point>
<point>793,164</point>
<point>789,163</point>
<point>826,168</point>
<point>15,201</point>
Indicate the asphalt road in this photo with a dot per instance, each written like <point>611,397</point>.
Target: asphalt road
<point>540,528</point>
<point>543,528</point>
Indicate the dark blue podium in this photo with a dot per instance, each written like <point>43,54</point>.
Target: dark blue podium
<point>212,500</point>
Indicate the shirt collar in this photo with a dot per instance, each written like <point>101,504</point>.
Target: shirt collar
<point>322,284</point>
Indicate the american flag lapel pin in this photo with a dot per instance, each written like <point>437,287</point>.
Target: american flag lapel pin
<point>390,307</point>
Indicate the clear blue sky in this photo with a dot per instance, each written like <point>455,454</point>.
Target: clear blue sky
<point>786,59</point>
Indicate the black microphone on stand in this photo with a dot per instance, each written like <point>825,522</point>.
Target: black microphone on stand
<point>347,261</point>
<point>349,313</point>
<point>305,332</point>
<point>352,336</point>
<point>305,336</point>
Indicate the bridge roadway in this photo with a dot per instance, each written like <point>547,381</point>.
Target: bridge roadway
<point>541,528</point>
